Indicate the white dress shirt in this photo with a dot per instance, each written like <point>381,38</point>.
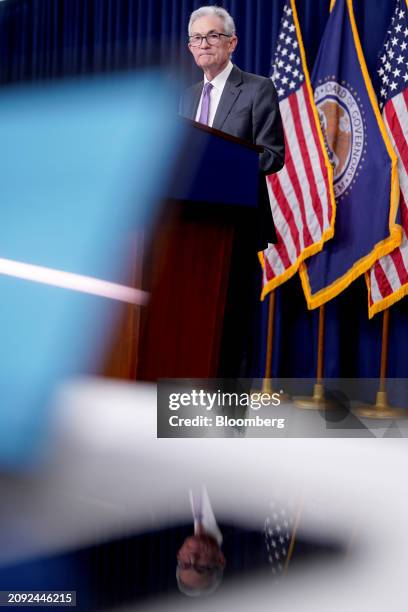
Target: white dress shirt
<point>203,514</point>
<point>218,84</point>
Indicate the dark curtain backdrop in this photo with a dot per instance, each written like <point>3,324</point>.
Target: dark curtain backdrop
<point>48,39</point>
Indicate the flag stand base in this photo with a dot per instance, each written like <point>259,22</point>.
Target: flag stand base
<point>268,389</point>
<point>381,409</point>
<point>316,402</point>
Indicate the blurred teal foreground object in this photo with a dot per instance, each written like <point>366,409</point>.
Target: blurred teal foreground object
<point>82,165</point>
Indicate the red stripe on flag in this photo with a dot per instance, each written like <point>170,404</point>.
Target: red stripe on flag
<point>319,148</point>
<point>268,269</point>
<point>286,210</point>
<point>282,251</point>
<point>291,170</point>
<point>404,212</point>
<point>405,94</point>
<point>396,257</point>
<point>317,207</point>
<point>396,254</point>
<point>398,134</point>
<point>384,286</point>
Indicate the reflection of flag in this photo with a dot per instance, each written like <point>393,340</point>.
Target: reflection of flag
<point>279,531</point>
<point>388,279</point>
<point>364,164</point>
<point>301,196</point>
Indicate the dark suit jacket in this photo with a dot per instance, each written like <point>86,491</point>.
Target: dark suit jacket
<point>249,109</point>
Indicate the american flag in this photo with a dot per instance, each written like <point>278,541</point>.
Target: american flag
<point>301,194</point>
<point>278,531</point>
<point>388,279</point>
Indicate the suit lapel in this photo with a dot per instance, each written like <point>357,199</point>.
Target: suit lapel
<point>194,100</point>
<point>229,96</point>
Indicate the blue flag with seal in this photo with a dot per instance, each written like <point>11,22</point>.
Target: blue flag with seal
<point>364,164</point>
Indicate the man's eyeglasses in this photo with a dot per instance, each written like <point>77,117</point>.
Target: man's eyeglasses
<point>213,39</point>
<point>200,569</point>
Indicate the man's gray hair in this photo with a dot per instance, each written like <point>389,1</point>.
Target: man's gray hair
<point>217,11</point>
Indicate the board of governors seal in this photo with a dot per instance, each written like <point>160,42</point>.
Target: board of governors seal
<point>343,130</point>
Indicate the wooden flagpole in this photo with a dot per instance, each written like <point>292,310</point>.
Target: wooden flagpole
<point>317,401</point>
<point>267,383</point>
<point>293,537</point>
<point>267,386</point>
<point>382,409</point>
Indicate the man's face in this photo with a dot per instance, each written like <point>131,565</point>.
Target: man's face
<point>198,556</point>
<point>210,58</point>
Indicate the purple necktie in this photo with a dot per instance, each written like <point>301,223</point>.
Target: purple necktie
<point>205,104</point>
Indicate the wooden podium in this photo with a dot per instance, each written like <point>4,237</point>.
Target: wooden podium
<point>197,266</point>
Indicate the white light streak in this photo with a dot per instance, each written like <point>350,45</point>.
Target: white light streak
<point>76,282</point>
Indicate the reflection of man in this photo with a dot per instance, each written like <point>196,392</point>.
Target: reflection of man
<point>238,103</point>
<point>200,561</point>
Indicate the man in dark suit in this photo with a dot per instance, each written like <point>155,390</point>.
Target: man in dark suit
<point>238,103</point>
<point>246,106</point>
